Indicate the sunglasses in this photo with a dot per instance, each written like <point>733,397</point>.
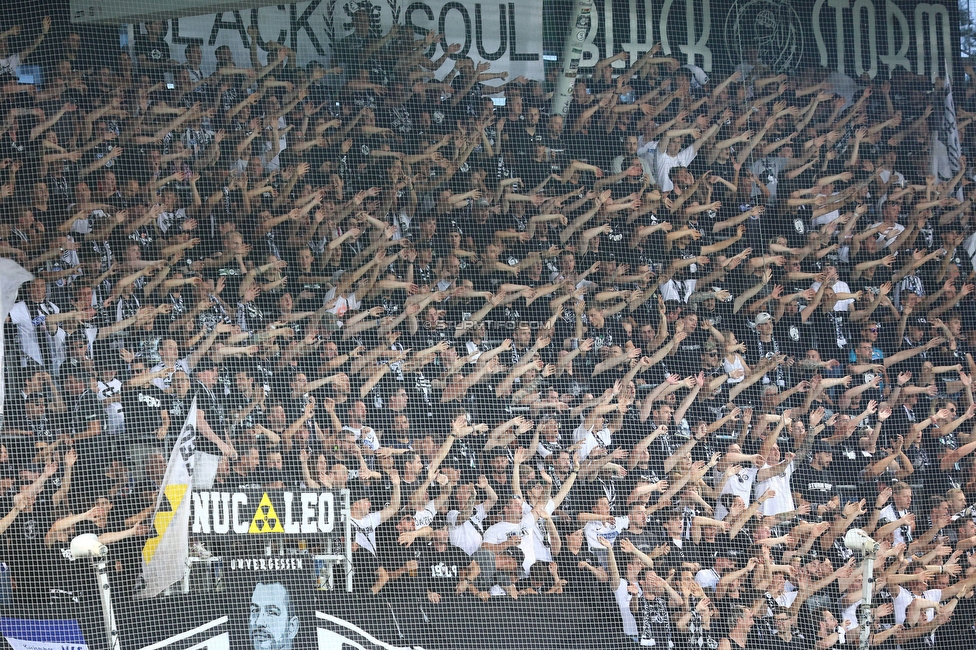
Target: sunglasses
<point>873,330</point>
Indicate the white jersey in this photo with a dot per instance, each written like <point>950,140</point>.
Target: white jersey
<point>366,531</point>
<point>741,486</point>
<point>467,535</point>
<point>780,484</point>
<point>506,529</point>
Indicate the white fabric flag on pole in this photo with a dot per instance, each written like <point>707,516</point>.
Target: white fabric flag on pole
<point>12,275</point>
<point>165,553</point>
<point>950,129</point>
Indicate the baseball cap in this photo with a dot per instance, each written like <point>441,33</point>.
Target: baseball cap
<point>762,317</point>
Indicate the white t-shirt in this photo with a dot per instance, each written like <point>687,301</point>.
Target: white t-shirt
<point>593,530</point>
<point>786,598</point>
<point>665,163</point>
<point>824,219</point>
<point>542,552</point>
<point>592,440</point>
<point>29,328</point>
<point>343,303</point>
<point>623,598</point>
<point>366,531</point>
<point>617,164</point>
<point>783,501</point>
<point>839,287</point>
<point>901,602</point>
<point>115,418</point>
<point>767,170</point>
<point>889,514</point>
<point>739,485</point>
<point>505,529</point>
<point>730,367</point>
<point>365,436</point>
<point>939,162</point>
<point>844,86</point>
<point>167,220</point>
<point>888,234</point>
<point>426,516</point>
<point>672,290</point>
<point>647,152</point>
<point>467,535</point>
<point>162,383</point>
<point>935,595</point>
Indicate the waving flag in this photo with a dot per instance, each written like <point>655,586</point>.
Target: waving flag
<point>165,552</point>
<point>12,275</point>
<point>950,128</point>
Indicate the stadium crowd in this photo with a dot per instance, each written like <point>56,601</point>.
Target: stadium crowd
<point>661,352</point>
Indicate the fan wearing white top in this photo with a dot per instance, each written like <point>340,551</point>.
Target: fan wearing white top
<point>774,476</point>
<point>669,153</point>
<point>366,522</point>
<point>732,362</point>
<point>537,502</point>
<point>467,523</point>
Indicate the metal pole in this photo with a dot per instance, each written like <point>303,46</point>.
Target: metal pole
<point>108,614</point>
<point>867,587</point>
<point>581,21</point>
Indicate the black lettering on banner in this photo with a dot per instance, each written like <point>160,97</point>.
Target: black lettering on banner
<point>237,25</point>
<point>419,30</point>
<point>467,24</point>
<point>301,24</point>
<point>181,40</point>
<point>513,53</point>
<point>479,34</point>
<point>282,34</point>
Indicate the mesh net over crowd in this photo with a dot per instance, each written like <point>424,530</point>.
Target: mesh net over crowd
<point>380,350</point>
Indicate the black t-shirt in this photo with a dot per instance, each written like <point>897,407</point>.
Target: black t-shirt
<point>816,486</point>
<point>142,407</point>
<point>93,451</point>
<point>687,361</point>
<point>26,541</point>
<point>850,461</point>
<point>156,51</point>
<point>442,570</point>
<point>834,336</point>
<point>60,570</point>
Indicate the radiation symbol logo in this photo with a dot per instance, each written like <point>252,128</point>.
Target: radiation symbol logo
<point>265,518</point>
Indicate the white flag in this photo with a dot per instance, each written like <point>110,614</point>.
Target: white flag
<point>12,275</point>
<point>950,129</point>
<point>165,553</point>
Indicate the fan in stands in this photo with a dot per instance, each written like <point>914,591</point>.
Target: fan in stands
<point>638,367</point>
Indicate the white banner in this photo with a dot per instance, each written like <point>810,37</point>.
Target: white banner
<point>164,554</point>
<point>12,275</point>
<point>508,35</point>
